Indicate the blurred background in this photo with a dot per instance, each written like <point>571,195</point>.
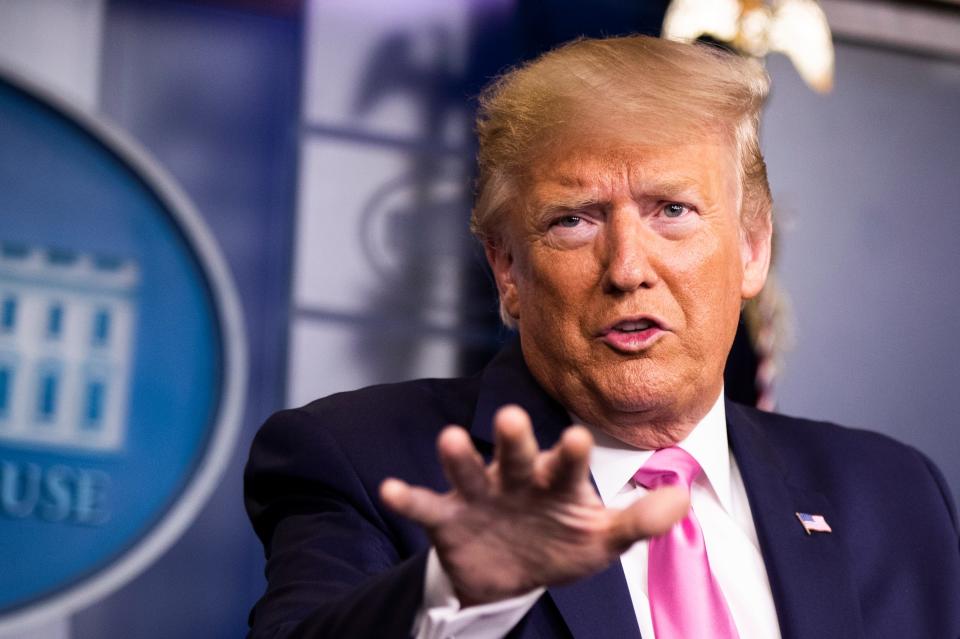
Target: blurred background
<point>327,147</point>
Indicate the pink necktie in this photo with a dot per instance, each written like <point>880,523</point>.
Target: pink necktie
<point>685,600</point>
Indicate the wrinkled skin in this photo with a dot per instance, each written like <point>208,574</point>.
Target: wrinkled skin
<point>529,519</point>
<point>603,233</point>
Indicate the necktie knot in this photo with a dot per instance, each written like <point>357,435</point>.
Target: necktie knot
<point>668,467</point>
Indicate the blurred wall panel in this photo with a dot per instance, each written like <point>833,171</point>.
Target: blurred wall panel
<point>212,92</point>
<point>55,44</point>
<point>866,188</point>
<point>383,68</point>
<point>384,198</point>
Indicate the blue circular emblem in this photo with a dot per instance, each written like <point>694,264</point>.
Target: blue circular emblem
<point>122,359</point>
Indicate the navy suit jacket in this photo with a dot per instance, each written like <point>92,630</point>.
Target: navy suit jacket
<point>339,564</point>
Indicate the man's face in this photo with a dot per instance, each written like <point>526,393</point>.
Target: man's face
<point>625,267</point>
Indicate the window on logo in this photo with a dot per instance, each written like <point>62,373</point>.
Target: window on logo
<point>55,321</point>
<point>101,327</point>
<point>6,385</point>
<point>8,314</point>
<point>93,408</point>
<point>47,396</point>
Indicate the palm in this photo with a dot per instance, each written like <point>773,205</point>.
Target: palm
<point>530,518</point>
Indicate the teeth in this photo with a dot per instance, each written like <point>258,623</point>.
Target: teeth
<point>629,327</point>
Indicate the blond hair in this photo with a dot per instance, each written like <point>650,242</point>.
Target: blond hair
<point>656,90</point>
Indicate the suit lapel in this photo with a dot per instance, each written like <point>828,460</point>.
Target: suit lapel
<point>506,380</point>
<point>807,573</point>
<point>598,607</point>
<point>595,608</point>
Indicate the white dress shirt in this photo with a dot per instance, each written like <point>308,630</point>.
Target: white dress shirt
<point>718,498</point>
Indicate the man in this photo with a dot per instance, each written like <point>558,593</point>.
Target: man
<point>624,207</point>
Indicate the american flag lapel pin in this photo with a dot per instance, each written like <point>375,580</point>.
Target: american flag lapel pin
<point>814,523</point>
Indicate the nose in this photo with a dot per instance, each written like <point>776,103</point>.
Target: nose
<point>628,266</point>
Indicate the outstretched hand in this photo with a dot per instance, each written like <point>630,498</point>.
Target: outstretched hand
<point>529,519</point>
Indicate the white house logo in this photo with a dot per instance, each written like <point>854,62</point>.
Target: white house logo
<point>66,329</point>
<point>122,359</point>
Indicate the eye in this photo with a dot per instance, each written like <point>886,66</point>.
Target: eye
<point>568,221</point>
<point>674,209</point>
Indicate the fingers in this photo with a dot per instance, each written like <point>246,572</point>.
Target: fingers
<point>462,464</point>
<point>566,466</point>
<point>652,515</point>
<point>516,448</point>
<point>422,505</point>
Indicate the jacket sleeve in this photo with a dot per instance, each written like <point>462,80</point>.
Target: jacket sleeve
<point>334,568</point>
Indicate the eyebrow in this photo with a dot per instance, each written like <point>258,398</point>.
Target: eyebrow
<point>572,200</point>
<point>674,184</point>
<point>562,204</point>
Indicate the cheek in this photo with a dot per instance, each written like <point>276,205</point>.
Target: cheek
<point>554,290</point>
<point>556,277</point>
<point>708,286</point>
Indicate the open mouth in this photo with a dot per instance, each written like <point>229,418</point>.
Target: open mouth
<point>633,335</point>
<point>634,326</point>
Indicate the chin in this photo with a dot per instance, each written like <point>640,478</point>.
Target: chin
<point>641,405</point>
<point>633,388</point>
<point>653,384</point>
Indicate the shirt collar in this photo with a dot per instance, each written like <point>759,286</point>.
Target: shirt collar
<point>613,463</point>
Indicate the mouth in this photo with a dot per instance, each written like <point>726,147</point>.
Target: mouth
<point>634,326</point>
<point>633,334</point>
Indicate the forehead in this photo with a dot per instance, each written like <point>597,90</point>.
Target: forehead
<point>604,171</point>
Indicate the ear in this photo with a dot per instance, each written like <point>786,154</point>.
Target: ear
<point>755,251</point>
<point>501,263</point>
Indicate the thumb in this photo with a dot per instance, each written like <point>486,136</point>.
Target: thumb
<point>652,515</point>
<point>422,505</point>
